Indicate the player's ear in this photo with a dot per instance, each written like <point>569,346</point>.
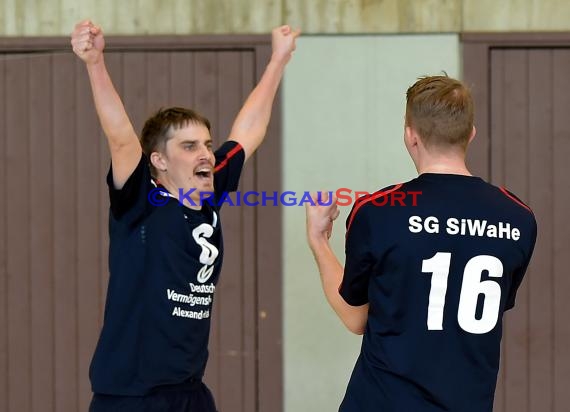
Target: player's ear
<point>410,137</point>
<point>473,133</point>
<point>158,161</point>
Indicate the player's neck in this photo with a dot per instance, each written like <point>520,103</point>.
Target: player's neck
<point>450,160</point>
<point>444,166</point>
<point>179,193</point>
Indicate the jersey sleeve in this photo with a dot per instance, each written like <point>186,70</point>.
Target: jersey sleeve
<point>519,273</point>
<point>131,201</point>
<point>358,262</point>
<point>229,163</point>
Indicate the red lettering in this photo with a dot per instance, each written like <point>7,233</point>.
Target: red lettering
<point>384,199</point>
<point>340,196</point>
<point>397,197</point>
<point>414,197</point>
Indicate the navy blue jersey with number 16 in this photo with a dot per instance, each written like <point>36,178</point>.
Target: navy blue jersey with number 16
<point>438,259</point>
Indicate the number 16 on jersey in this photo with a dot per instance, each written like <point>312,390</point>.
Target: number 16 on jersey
<point>472,286</point>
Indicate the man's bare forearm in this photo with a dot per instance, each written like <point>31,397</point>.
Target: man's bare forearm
<point>331,271</point>
<point>110,109</point>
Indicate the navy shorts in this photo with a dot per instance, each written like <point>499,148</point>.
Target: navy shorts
<point>193,396</point>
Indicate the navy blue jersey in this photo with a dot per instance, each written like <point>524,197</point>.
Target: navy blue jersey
<point>164,263</point>
<point>438,259</point>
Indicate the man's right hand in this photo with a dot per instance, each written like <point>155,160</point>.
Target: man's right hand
<point>88,42</point>
<point>321,214</point>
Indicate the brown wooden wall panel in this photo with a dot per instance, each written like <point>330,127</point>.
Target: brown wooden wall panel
<point>65,146</point>
<point>18,236</point>
<point>134,87</point>
<point>477,80</point>
<point>182,79</point>
<point>269,246</point>
<point>229,97</point>
<point>41,222</point>
<point>561,230</point>
<point>157,81</point>
<point>249,293</point>
<point>509,167</point>
<point>4,348</point>
<point>88,223</point>
<point>523,114</point>
<point>540,123</point>
<point>54,243</point>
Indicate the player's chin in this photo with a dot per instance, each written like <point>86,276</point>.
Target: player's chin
<point>206,187</point>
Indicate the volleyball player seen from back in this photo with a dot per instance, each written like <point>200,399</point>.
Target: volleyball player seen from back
<point>427,284</point>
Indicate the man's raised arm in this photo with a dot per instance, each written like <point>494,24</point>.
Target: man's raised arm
<point>88,44</point>
<point>250,125</point>
<point>320,218</point>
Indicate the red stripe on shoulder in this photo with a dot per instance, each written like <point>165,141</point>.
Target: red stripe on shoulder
<point>362,201</point>
<point>514,199</point>
<point>229,155</point>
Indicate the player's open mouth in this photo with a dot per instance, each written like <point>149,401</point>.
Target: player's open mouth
<point>203,172</point>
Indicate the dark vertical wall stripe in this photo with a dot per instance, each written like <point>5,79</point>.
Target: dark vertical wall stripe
<point>181,79</point>
<point>561,229</point>
<point>270,342</point>
<point>65,234</point>
<point>18,229</point>
<point>41,232</point>
<point>231,345</point>
<point>135,88</point>
<point>249,268</point>
<point>513,162</point>
<point>157,82</point>
<point>4,336</point>
<point>540,285</point>
<point>477,81</point>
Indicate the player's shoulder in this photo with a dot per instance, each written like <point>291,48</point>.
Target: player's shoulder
<point>369,200</point>
<point>518,210</point>
<point>230,149</point>
<point>512,199</point>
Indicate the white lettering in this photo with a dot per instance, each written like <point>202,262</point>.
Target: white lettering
<point>504,229</point>
<point>476,227</point>
<point>516,235</point>
<point>189,299</point>
<point>203,314</point>
<point>431,225</point>
<point>452,226</point>
<point>465,227</point>
<point>415,223</point>
<point>202,288</point>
